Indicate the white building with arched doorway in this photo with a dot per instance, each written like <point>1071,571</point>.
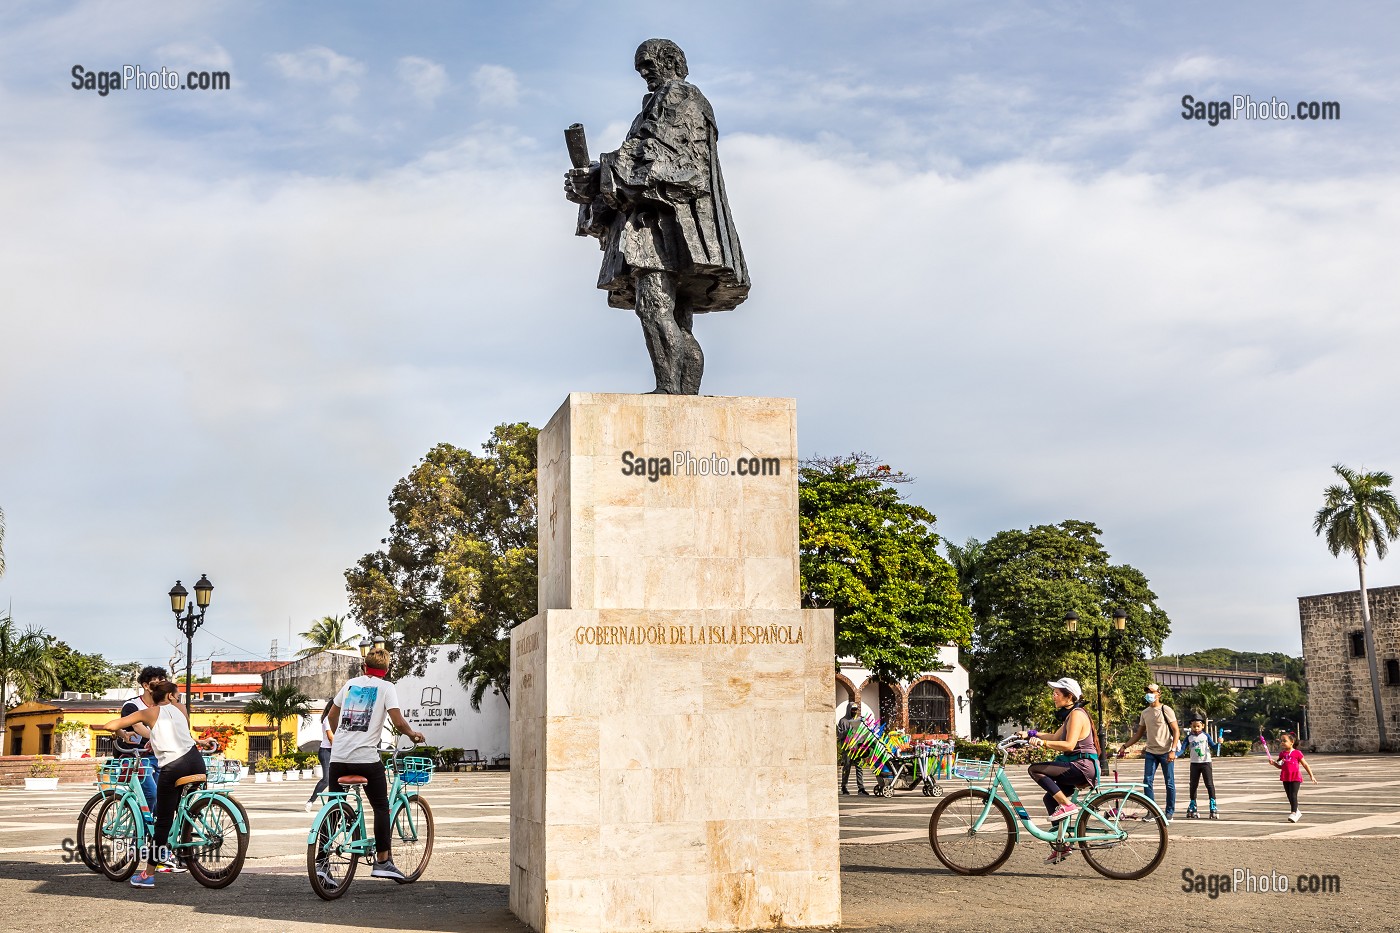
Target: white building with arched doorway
<point>937,704</point>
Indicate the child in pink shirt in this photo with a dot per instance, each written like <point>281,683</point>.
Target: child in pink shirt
<point>1290,766</point>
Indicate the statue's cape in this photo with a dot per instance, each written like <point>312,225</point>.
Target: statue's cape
<point>663,205</point>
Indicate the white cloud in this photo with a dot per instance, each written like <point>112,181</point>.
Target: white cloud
<point>199,55</point>
<point>1179,361</point>
<point>425,79</point>
<point>496,86</point>
<point>322,66</point>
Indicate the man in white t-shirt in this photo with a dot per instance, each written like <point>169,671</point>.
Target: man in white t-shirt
<point>356,716</point>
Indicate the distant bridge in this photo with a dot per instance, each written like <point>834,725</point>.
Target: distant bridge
<point>1184,678</point>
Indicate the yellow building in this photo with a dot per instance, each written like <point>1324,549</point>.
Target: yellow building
<point>29,727</point>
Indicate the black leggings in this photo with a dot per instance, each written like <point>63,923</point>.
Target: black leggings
<point>376,792</point>
<point>1056,778</point>
<point>168,797</point>
<point>1202,769</point>
<point>1291,789</point>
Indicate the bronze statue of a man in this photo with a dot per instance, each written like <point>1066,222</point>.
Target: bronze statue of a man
<point>657,205</point>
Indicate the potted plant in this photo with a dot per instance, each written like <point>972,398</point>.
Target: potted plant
<point>261,769</point>
<point>306,762</point>
<point>43,775</point>
<point>72,739</point>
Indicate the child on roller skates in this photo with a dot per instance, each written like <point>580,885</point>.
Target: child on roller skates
<point>1198,745</point>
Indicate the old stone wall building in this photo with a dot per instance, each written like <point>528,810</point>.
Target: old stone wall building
<point>1341,714</point>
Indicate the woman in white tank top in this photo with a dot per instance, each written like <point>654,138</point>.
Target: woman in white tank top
<point>178,755</point>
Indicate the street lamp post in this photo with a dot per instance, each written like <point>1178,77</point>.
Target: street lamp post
<point>1120,619</point>
<point>189,623</point>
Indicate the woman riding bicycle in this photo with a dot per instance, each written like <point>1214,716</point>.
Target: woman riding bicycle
<point>178,755</point>
<point>1077,763</point>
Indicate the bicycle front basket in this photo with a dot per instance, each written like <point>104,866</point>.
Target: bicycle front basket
<point>117,772</point>
<point>416,770</point>
<point>972,769</point>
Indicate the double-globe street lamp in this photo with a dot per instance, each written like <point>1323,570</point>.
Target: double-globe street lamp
<point>190,622</point>
<point>1120,619</point>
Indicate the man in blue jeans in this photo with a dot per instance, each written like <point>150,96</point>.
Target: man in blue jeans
<point>1158,724</point>
<point>136,743</point>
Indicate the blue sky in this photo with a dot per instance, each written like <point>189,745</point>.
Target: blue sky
<point>985,246</point>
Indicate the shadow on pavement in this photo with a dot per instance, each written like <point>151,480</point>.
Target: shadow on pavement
<point>429,904</point>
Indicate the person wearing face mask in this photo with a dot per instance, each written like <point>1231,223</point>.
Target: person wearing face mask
<point>1158,725</point>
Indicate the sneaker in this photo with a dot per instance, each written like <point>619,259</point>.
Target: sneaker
<point>143,880</point>
<point>387,869</point>
<point>1068,809</point>
<point>171,866</point>
<point>1295,816</point>
<point>863,793</point>
<point>1057,855</point>
<point>310,807</point>
<point>323,873</point>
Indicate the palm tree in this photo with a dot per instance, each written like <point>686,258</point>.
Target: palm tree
<point>967,564</point>
<point>277,704</point>
<point>1354,517</point>
<point>2,542</point>
<point>1213,699</point>
<point>326,632</point>
<point>27,663</point>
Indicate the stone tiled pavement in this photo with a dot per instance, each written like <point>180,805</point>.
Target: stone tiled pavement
<point>890,880</point>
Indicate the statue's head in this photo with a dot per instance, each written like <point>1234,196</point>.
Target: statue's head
<point>659,61</point>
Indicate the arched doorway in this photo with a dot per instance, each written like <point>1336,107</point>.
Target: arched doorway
<point>930,709</point>
<point>885,701</point>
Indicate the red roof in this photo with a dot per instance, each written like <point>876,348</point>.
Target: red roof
<point>244,667</point>
<point>198,689</point>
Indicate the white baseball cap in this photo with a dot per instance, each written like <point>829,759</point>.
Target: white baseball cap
<point>1070,684</point>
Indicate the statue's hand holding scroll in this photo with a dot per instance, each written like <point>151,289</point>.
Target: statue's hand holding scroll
<point>581,184</point>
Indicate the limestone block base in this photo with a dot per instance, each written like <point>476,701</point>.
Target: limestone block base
<point>673,770</point>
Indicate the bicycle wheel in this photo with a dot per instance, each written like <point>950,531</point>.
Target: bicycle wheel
<point>329,866</point>
<point>119,836</point>
<point>87,830</point>
<point>1130,848</point>
<point>211,843</point>
<point>413,838</point>
<point>958,846</point>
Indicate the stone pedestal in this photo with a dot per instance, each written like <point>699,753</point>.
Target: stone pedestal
<point>672,745</point>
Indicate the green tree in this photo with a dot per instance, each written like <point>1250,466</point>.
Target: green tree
<point>326,633</point>
<point>1357,515</point>
<point>1277,705</point>
<point>82,673</point>
<point>873,557</point>
<point>967,564</point>
<point>1213,699</point>
<point>459,564</point>
<point>1029,580</point>
<point>26,665</point>
<point>278,704</point>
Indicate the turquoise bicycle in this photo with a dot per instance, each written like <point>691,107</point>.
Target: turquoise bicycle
<point>338,837</point>
<point>210,825</point>
<point>113,775</point>
<point>1119,830</point>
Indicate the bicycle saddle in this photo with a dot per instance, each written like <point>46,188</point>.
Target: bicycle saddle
<point>351,779</point>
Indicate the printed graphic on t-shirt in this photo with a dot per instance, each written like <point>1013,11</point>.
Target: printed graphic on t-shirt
<point>359,706</point>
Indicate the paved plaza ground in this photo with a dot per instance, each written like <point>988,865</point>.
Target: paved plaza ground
<point>890,879</point>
